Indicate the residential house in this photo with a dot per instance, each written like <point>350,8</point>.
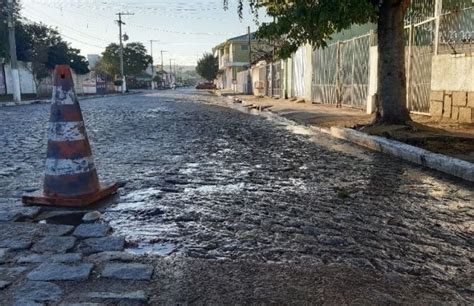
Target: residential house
<point>233,55</point>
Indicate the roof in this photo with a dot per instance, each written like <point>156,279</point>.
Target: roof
<point>244,37</point>
<point>240,38</point>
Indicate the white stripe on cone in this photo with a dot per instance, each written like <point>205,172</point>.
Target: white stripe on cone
<point>66,131</point>
<point>57,167</point>
<point>63,97</point>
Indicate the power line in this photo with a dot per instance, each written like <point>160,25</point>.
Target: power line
<point>69,37</point>
<point>61,27</point>
<point>68,27</point>
<point>155,28</point>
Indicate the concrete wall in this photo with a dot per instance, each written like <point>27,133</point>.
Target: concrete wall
<point>454,73</point>
<point>27,83</point>
<point>373,79</point>
<point>452,88</point>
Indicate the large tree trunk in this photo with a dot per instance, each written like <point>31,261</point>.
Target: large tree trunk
<point>391,106</point>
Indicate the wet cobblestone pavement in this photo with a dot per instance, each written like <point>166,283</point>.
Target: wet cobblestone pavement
<point>211,182</point>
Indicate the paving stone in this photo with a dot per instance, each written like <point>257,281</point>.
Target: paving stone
<point>132,271</point>
<point>4,284</point>
<point>3,255</point>
<point>6,216</point>
<point>39,292</point>
<point>81,304</point>
<point>111,256</point>
<point>55,229</point>
<point>92,230</point>
<point>96,245</point>
<point>139,295</point>
<point>58,271</point>
<point>54,244</point>
<point>13,210</point>
<point>19,236</point>
<point>56,258</point>
<point>8,274</point>
<point>16,236</point>
<point>92,216</point>
<point>22,302</point>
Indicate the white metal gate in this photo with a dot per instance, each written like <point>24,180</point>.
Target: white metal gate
<point>298,60</point>
<point>341,73</point>
<point>419,58</point>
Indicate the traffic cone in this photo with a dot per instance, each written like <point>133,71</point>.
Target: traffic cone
<point>70,177</point>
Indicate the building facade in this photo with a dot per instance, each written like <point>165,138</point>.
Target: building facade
<point>233,56</point>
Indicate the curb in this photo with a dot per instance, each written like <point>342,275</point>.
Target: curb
<point>81,98</point>
<point>7,104</point>
<point>453,166</point>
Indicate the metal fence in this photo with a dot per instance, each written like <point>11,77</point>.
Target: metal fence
<point>456,31</point>
<point>341,73</point>
<point>273,75</point>
<point>241,82</point>
<point>419,53</point>
<point>434,27</point>
<point>324,84</point>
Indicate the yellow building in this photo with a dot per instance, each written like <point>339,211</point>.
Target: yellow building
<point>233,55</point>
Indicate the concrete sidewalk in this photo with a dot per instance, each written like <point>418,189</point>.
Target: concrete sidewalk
<point>327,115</point>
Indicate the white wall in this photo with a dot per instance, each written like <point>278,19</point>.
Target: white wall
<point>308,73</point>
<point>452,73</point>
<point>27,84</point>
<point>373,78</point>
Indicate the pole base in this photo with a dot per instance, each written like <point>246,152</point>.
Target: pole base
<point>84,201</point>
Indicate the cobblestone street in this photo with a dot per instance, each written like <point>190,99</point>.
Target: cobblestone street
<point>218,205</point>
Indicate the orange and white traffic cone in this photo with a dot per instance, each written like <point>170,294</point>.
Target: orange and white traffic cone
<point>70,177</point>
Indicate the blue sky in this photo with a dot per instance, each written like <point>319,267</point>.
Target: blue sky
<point>185,28</point>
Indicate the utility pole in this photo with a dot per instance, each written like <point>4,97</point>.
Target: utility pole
<point>152,64</point>
<point>171,71</point>
<point>162,64</point>
<point>249,76</point>
<point>120,23</point>
<point>13,59</point>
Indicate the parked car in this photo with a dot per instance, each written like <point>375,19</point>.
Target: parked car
<point>206,85</point>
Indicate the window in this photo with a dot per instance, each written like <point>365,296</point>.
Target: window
<point>244,47</point>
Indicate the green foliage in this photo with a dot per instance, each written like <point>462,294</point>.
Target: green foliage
<point>135,59</point>
<point>208,67</point>
<point>44,47</point>
<point>313,22</point>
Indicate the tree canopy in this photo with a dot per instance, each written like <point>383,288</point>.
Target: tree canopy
<point>135,59</point>
<point>208,66</point>
<point>43,46</point>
